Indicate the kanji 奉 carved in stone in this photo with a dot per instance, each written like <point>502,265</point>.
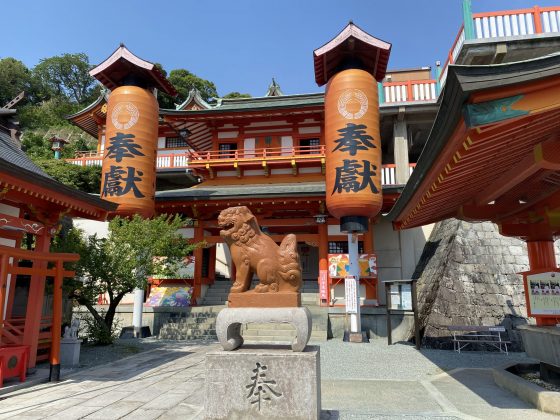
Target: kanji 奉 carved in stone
<point>277,267</point>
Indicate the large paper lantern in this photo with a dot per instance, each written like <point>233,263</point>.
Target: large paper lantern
<point>129,160</point>
<point>353,149</point>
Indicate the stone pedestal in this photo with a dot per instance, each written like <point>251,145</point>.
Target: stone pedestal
<point>259,383</point>
<point>229,320</point>
<point>70,352</point>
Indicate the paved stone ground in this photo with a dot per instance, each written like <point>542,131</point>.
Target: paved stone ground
<point>393,382</point>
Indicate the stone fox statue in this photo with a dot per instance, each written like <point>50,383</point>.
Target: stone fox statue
<point>277,267</point>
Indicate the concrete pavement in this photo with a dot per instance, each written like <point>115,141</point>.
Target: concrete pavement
<point>168,383</point>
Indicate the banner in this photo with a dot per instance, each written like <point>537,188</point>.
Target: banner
<point>339,265</point>
<point>170,296</point>
<point>323,285</point>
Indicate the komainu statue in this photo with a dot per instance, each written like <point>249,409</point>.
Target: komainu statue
<point>277,267</point>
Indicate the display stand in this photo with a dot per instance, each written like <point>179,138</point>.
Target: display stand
<point>401,299</point>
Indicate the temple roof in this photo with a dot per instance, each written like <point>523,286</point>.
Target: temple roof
<point>274,89</point>
<point>220,192</point>
<point>351,43</point>
<point>123,64</point>
<point>15,163</point>
<point>484,130</point>
<point>194,102</point>
<point>89,117</point>
<point>259,103</point>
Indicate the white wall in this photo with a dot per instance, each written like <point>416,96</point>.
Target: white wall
<point>91,227</point>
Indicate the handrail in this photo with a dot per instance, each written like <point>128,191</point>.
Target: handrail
<point>488,25</point>
<point>259,153</point>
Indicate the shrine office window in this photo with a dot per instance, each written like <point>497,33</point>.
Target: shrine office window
<point>310,145</point>
<point>227,148</point>
<point>341,247</point>
<point>175,142</point>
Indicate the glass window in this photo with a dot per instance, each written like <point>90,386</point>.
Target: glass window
<point>341,247</point>
<point>226,148</point>
<point>174,142</point>
<point>309,146</point>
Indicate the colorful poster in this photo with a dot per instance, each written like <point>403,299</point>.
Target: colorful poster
<point>339,265</point>
<point>544,293</point>
<point>170,296</point>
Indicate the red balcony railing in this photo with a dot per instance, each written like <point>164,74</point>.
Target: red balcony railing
<point>503,24</point>
<point>219,158</point>
<point>410,91</point>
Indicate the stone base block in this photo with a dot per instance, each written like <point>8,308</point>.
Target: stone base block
<point>262,383</point>
<point>229,320</point>
<point>253,299</point>
<point>70,352</point>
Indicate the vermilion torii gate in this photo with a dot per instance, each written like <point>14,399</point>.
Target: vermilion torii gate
<point>494,155</point>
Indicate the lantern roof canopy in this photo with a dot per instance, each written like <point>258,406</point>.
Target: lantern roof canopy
<point>122,65</point>
<point>351,43</point>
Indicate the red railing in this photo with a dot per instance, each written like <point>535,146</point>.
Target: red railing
<point>504,24</point>
<point>269,153</point>
<point>410,91</point>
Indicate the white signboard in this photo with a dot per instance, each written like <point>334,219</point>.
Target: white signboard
<point>406,297</point>
<point>351,295</point>
<point>544,293</point>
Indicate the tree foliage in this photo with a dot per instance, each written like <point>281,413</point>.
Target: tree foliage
<point>134,250</point>
<point>83,178</point>
<point>67,76</point>
<point>184,81</point>
<point>14,78</point>
<point>235,95</point>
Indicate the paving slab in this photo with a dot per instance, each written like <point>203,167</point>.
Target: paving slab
<point>474,391</point>
<point>360,381</point>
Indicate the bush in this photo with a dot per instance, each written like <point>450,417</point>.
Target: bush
<point>96,332</point>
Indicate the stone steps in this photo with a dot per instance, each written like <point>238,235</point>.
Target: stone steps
<point>218,292</point>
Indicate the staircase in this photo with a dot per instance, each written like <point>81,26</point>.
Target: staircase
<point>200,322</point>
<point>285,333</point>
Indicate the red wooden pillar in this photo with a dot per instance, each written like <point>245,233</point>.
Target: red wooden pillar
<point>323,230</point>
<point>212,265</point>
<point>198,237</point>
<point>3,280</point>
<point>541,256</point>
<point>35,302</point>
<point>54,359</point>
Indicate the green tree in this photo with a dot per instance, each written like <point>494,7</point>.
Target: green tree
<point>235,95</point>
<point>14,78</point>
<point>134,250</point>
<point>67,76</point>
<point>83,178</point>
<point>184,81</point>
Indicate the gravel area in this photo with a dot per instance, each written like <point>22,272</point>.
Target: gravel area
<point>377,360</point>
<point>536,379</point>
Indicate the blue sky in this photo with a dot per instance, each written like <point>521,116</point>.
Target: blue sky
<point>238,44</point>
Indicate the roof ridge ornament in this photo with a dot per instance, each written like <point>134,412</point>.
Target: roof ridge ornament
<point>274,89</point>
<point>355,44</point>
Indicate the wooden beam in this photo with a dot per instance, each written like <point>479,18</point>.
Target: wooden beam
<point>545,156</point>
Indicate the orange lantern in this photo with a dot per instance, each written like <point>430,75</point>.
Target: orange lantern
<point>353,149</point>
<point>129,160</point>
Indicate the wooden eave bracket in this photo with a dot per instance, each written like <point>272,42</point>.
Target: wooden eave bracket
<point>210,170</point>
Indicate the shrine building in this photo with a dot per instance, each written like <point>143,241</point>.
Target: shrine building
<point>268,152</point>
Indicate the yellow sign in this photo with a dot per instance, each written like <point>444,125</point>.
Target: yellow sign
<point>544,293</point>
